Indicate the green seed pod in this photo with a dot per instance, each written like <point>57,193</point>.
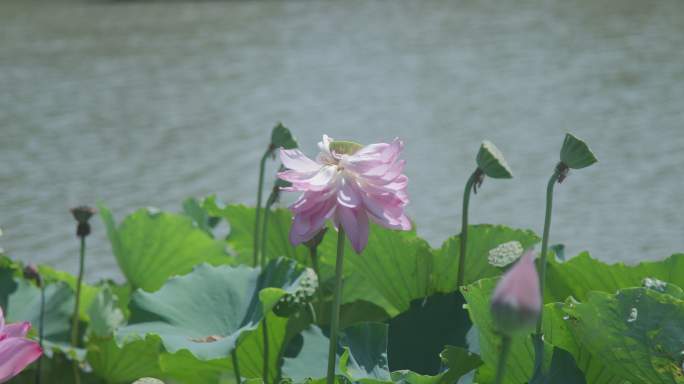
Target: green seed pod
<point>575,153</point>
<point>491,161</point>
<point>282,137</point>
<point>345,147</point>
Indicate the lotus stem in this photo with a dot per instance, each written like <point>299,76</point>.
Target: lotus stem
<point>537,338</point>
<point>236,366</point>
<point>75,317</point>
<point>257,220</point>
<point>264,231</point>
<point>503,358</point>
<point>335,314</point>
<point>79,281</point>
<point>265,335</point>
<point>41,332</point>
<point>474,177</point>
<point>313,252</point>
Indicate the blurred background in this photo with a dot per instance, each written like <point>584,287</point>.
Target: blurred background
<point>141,104</point>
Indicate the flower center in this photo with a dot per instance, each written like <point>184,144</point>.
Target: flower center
<point>345,147</point>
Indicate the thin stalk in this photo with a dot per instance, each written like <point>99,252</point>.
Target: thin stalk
<point>264,233</point>
<point>265,335</point>
<point>262,252</point>
<point>464,226</point>
<point>313,252</point>
<point>503,357</point>
<point>75,318</point>
<point>335,315</point>
<point>257,220</point>
<point>236,366</point>
<point>537,337</point>
<point>41,332</point>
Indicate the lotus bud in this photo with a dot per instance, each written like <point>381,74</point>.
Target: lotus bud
<point>82,214</point>
<point>516,302</point>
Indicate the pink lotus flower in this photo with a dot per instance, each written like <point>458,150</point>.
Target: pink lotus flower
<point>516,302</point>
<point>16,352</point>
<point>349,184</point>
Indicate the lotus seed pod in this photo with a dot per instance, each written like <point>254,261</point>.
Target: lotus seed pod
<point>281,137</point>
<point>516,302</point>
<point>505,253</point>
<point>491,161</point>
<point>82,214</point>
<point>575,153</point>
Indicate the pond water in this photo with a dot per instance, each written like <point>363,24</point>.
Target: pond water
<point>145,103</point>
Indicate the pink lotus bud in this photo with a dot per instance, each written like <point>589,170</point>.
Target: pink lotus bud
<point>516,301</point>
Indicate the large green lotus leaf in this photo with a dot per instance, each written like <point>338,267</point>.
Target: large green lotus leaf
<point>123,363</point>
<point>240,218</point>
<point>418,335</point>
<point>362,357</point>
<point>23,304</point>
<point>56,368</point>
<point>151,247</point>
<point>105,314</point>
<point>481,239</point>
<point>363,348</point>
<point>563,370</point>
<point>637,332</point>
<point>559,333</point>
<point>186,368</point>
<point>582,274</point>
<point>521,358</point>
<point>209,309</point>
<point>457,360</point>
<point>88,292</point>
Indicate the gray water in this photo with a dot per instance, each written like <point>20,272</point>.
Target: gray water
<point>145,103</point>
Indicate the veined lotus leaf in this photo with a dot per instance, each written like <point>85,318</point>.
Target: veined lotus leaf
<point>210,309</point>
<point>362,358</point>
<point>582,274</point>
<point>491,161</point>
<point>637,332</point>
<point>563,370</point>
<point>105,314</point>
<point>575,153</point>
<point>417,336</point>
<point>23,304</point>
<point>519,368</point>
<point>151,247</point>
<point>123,363</point>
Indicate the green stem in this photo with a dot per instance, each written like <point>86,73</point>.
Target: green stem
<point>262,251</point>
<point>266,353</point>
<point>236,366</point>
<point>464,226</point>
<point>503,357</point>
<point>335,315</point>
<point>537,337</point>
<point>264,232</point>
<point>41,332</point>
<point>313,252</point>
<point>75,317</point>
<point>257,220</point>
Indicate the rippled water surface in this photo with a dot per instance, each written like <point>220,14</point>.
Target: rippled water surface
<point>144,104</point>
